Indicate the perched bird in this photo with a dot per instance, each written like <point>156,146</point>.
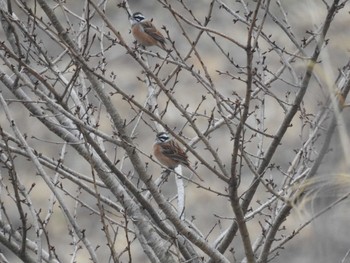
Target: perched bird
<point>169,153</point>
<point>145,32</point>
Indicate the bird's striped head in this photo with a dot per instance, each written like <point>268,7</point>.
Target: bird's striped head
<point>162,137</point>
<point>137,17</point>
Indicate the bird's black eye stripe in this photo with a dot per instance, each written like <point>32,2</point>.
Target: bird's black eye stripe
<point>163,137</point>
<point>139,17</point>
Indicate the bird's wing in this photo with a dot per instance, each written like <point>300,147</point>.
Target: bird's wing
<point>150,29</point>
<point>174,151</point>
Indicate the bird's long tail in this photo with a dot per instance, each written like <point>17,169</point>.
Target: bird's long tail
<point>193,171</point>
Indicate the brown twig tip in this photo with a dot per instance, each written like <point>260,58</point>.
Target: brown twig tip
<point>121,5</point>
